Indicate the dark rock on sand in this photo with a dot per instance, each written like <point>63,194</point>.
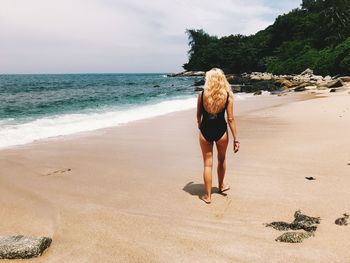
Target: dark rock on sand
<point>300,87</point>
<point>334,84</point>
<point>310,178</point>
<point>333,90</point>
<point>259,92</point>
<point>345,79</point>
<point>21,247</point>
<point>301,221</point>
<point>294,237</point>
<point>342,221</point>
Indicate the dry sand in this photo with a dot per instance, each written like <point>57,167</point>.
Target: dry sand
<point>130,193</point>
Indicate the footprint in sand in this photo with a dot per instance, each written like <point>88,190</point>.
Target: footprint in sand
<point>221,215</point>
<point>58,172</point>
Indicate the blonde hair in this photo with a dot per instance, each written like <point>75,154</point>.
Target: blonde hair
<point>216,90</point>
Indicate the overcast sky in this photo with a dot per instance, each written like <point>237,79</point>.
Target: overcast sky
<point>72,36</point>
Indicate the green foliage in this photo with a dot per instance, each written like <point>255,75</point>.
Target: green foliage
<point>316,35</point>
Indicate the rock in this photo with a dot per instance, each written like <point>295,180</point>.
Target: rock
<point>298,89</point>
<point>199,82</point>
<point>156,86</point>
<point>301,221</point>
<point>345,79</point>
<point>199,73</point>
<point>294,237</point>
<point>187,74</point>
<point>193,73</point>
<point>342,221</point>
<point>259,92</point>
<point>316,78</point>
<point>327,78</point>
<point>307,72</point>
<point>333,90</point>
<point>261,76</point>
<point>286,83</point>
<point>238,80</point>
<point>334,83</point>
<point>21,247</point>
<point>236,88</point>
<point>263,85</point>
<point>176,74</point>
<point>310,178</point>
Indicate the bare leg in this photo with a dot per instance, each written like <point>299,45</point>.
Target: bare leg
<point>207,151</point>
<point>222,147</point>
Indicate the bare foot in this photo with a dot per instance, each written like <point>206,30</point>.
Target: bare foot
<point>205,198</point>
<point>224,187</point>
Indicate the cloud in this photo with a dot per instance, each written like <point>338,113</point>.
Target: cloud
<point>118,35</point>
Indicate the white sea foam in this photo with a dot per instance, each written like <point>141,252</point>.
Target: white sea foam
<point>23,133</point>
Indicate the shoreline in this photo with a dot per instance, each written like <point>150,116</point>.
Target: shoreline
<point>131,193</point>
<point>89,132</point>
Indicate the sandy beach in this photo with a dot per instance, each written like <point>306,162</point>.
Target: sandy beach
<point>130,193</point>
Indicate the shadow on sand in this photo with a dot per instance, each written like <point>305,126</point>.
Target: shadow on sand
<point>198,189</point>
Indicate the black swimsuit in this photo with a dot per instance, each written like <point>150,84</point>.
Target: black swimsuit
<point>213,126</point>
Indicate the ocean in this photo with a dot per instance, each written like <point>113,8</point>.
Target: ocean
<point>34,107</point>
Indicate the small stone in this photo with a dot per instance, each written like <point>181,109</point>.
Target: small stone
<point>342,221</point>
<point>259,92</point>
<point>156,86</point>
<point>21,247</point>
<point>294,237</point>
<point>333,90</point>
<point>310,178</point>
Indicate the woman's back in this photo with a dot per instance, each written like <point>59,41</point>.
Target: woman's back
<point>213,125</point>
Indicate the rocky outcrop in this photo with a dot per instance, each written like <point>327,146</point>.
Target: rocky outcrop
<point>276,84</point>
<point>21,247</point>
<point>187,74</point>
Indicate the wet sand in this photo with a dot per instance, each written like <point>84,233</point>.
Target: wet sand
<point>130,193</point>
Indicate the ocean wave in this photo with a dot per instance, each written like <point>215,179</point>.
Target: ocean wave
<point>23,133</point>
<point>12,134</point>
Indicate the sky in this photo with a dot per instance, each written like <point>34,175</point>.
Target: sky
<point>119,36</point>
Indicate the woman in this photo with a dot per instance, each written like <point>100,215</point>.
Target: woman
<point>212,103</point>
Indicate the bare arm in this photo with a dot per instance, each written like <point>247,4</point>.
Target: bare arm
<point>232,123</point>
<point>199,109</point>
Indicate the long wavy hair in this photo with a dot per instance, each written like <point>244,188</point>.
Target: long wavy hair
<point>216,90</point>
